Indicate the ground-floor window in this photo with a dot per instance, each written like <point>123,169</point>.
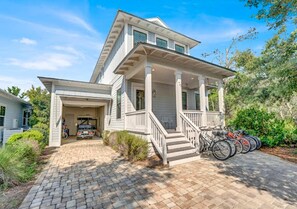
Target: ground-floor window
<point>26,116</point>
<point>2,115</point>
<point>197,101</point>
<point>119,103</point>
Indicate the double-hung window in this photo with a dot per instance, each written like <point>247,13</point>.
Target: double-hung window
<point>2,115</point>
<point>139,37</point>
<point>197,101</point>
<point>161,43</point>
<point>119,103</point>
<point>179,48</point>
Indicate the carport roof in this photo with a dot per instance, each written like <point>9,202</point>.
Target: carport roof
<point>47,82</point>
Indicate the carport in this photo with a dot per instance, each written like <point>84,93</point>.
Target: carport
<point>75,102</point>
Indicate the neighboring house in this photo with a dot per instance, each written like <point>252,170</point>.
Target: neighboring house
<point>146,82</point>
<point>14,115</point>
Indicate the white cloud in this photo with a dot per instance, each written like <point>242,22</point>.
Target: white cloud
<point>23,84</point>
<point>27,41</point>
<point>51,62</point>
<point>69,50</point>
<point>71,18</point>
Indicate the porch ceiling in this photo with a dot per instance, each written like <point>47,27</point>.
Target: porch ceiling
<point>171,59</point>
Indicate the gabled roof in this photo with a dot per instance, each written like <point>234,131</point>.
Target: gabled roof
<point>157,26</point>
<point>12,97</point>
<point>172,57</point>
<point>158,21</point>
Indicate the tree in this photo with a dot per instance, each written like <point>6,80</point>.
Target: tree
<point>16,91</point>
<point>277,13</point>
<point>226,58</point>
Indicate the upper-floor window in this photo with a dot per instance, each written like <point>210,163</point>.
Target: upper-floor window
<point>139,37</point>
<point>2,115</point>
<point>161,42</point>
<point>179,48</point>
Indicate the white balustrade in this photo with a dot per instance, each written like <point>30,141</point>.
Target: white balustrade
<point>190,130</point>
<point>194,116</point>
<point>214,119</point>
<point>136,121</point>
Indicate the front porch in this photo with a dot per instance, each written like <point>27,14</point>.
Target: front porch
<point>166,98</point>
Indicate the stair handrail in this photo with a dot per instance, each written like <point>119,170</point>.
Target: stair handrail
<point>158,136</point>
<point>187,122</point>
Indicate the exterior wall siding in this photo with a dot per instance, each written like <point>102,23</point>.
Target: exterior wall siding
<point>115,57</point>
<point>117,123</point>
<point>56,121</point>
<point>14,110</point>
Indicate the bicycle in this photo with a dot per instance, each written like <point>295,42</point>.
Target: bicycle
<point>236,146</point>
<point>220,149</point>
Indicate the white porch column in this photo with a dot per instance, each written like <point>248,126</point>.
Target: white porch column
<point>125,100</point>
<point>221,101</point>
<point>202,100</point>
<point>148,95</point>
<point>178,96</point>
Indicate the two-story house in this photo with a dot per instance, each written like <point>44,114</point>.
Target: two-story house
<point>145,81</point>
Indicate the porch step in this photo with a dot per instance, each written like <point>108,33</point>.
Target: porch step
<point>180,151</point>
<point>174,135</point>
<point>178,144</point>
<point>175,139</point>
<point>182,159</point>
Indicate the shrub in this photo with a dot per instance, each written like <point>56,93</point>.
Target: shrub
<point>105,137</point>
<point>18,162</point>
<point>271,130</point>
<point>130,146</point>
<point>30,134</point>
<point>44,129</point>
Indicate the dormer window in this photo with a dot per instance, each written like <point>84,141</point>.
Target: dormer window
<point>161,43</point>
<point>139,37</point>
<point>179,48</point>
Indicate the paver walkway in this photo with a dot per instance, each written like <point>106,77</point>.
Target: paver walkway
<point>86,174</point>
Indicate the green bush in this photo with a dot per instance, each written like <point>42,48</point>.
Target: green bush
<point>18,162</point>
<point>130,146</point>
<point>105,137</point>
<point>271,130</point>
<point>30,134</point>
<point>44,129</point>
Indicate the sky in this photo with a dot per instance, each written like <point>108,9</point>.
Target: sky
<point>63,39</point>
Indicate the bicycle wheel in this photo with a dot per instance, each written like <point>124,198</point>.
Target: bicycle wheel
<point>202,144</point>
<point>246,146</point>
<point>253,143</point>
<point>259,143</point>
<point>238,146</point>
<point>232,146</point>
<point>221,150</point>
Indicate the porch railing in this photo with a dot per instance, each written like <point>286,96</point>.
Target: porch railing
<point>135,121</point>
<point>195,116</point>
<point>190,130</point>
<point>214,118</point>
<point>158,136</point>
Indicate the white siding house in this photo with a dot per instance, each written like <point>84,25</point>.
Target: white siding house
<point>14,115</point>
<point>148,84</point>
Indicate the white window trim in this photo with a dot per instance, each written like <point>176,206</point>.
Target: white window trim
<point>134,87</point>
<point>161,37</point>
<point>4,115</point>
<point>140,30</point>
<point>27,118</point>
<point>116,105</point>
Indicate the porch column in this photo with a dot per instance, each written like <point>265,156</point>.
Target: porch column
<point>221,101</point>
<point>148,96</point>
<point>202,100</point>
<point>178,95</point>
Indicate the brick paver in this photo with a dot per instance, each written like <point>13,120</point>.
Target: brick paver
<point>86,174</point>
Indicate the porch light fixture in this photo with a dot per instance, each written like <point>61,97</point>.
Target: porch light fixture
<point>153,69</point>
<point>154,93</point>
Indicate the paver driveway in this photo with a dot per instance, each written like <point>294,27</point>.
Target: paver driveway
<point>86,174</point>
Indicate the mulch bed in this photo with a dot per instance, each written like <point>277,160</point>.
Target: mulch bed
<point>12,198</point>
<point>286,153</point>
<point>152,162</point>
